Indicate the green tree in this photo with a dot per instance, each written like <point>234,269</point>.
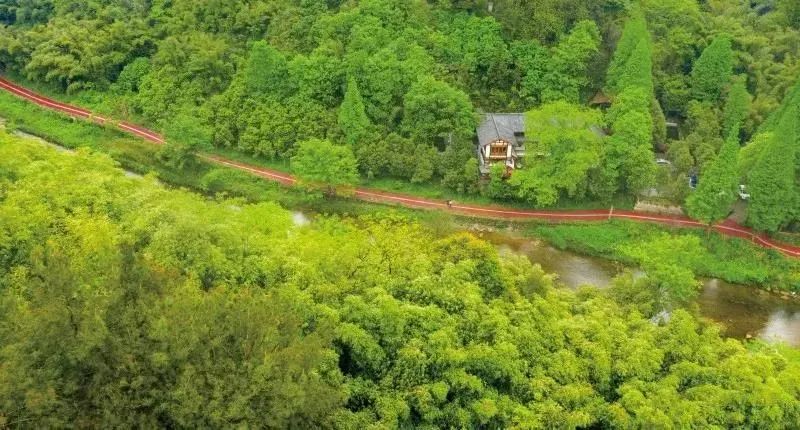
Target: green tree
<point>633,34</point>
<point>569,64</point>
<point>628,163</point>
<point>476,52</point>
<point>676,177</point>
<point>320,75</point>
<point>630,149</point>
<point>385,76</point>
<point>638,70</point>
<point>705,135</point>
<point>353,120</point>
<point>392,156</point>
<point>667,261</point>
<point>717,189</point>
<point>185,137</point>
<point>675,26</point>
<point>750,153</point>
<point>253,348</point>
<point>433,110</point>
<point>26,12</point>
<point>545,20</point>
<point>319,164</point>
<point>498,186</point>
<point>770,166</point>
<point>120,284</point>
<point>737,107</point>
<point>568,146</point>
<point>712,72</point>
<point>266,72</point>
<point>83,54</point>
<point>185,70</point>
<point>791,11</point>
<point>132,74</point>
<point>771,182</point>
<point>425,159</point>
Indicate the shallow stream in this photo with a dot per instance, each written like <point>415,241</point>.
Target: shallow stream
<point>743,311</point>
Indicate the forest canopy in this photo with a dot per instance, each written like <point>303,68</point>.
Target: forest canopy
<point>126,304</point>
<point>404,83</point>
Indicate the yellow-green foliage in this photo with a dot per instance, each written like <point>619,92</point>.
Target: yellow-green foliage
<point>124,304</point>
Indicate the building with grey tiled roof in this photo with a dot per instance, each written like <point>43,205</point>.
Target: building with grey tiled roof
<point>501,139</point>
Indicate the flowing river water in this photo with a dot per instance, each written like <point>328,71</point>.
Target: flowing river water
<point>743,311</point>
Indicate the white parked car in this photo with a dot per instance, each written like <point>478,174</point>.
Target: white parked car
<point>743,194</point>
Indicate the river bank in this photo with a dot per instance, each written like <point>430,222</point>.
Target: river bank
<point>727,228</point>
<point>744,312</point>
<point>734,260</point>
<point>731,259</point>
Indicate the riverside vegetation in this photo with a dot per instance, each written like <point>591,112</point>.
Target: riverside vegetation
<point>733,260</point>
<point>125,304</point>
<point>398,84</point>
<point>128,304</point>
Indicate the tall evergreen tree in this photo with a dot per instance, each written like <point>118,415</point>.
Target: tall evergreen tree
<point>791,99</point>
<point>638,69</point>
<point>713,70</point>
<point>628,162</point>
<point>633,34</point>
<point>717,189</point>
<point>737,105</point>
<point>353,120</point>
<point>771,182</point>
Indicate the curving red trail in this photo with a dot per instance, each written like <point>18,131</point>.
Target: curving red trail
<point>727,228</point>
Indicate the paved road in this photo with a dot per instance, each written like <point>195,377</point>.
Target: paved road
<point>728,228</point>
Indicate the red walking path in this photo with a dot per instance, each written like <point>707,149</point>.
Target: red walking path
<point>727,228</point>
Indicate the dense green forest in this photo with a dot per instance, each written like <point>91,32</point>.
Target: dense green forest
<point>126,305</point>
<point>400,84</point>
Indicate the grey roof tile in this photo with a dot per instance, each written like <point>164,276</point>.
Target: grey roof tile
<point>500,126</point>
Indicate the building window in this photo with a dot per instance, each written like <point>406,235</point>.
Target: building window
<point>498,149</point>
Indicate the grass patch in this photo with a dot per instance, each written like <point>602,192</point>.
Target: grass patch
<point>731,259</point>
